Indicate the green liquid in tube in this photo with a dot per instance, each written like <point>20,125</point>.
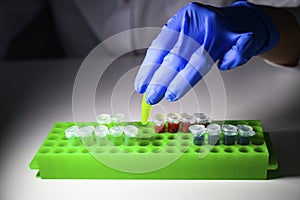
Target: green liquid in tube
<point>146,110</point>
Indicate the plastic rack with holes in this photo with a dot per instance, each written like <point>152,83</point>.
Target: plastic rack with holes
<point>154,156</point>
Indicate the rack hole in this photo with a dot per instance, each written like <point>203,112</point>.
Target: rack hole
<point>99,150</point>
<point>127,150</point>
<point>172,144</point>
<point>144,143</point>
<point>84,151</point>
<point>62,144</point>
<point>56,130</point>
<point>59,150</point>
<point>156,143</point>
<point>158,137</point>
<point>186,137</point>
<point>156,150</point>
<point>171,137</point>
<point>258,150</point>
<point>142,150</point>
<point>243,150</point>
<point>114,150</point>
<point>185,144</point>
<point>171,150</point>
<point>53,137</point>
<point>185,150</point>
<point>44,150</point>
<point>214,150</point>
<point>75,143</point>
<point>199,150</point>
<point>147,131</point>
<point>72,150</point>
<point>229,150</point>
<point>49,144</point>
<point>257,140</point>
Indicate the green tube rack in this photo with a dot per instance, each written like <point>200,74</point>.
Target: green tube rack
<point>154,156</point>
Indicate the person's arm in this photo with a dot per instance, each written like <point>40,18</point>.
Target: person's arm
<point>287,51</point>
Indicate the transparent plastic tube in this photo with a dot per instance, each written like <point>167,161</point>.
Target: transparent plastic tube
<point>101,133</point>
<point>115,134</point>
<point>118,119</point>
<point>130,133</point>
<point>173,122</point>
<point>198,134</point>
<point>244,134</point>
<point>202,119</point>
<point>71,134</point>
<point>187,120</point>
<point>145,111</point>
<point>229,134</point>
<point>213,133</point>
<point>160,123</point>
<point>104,119</point>
<point>86,135</point>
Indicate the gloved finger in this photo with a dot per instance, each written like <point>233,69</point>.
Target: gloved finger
<point>149,66</point>
<point>159,48</point>
<point>199,64</point>
<point>171,65</point>
<point>239,54</point>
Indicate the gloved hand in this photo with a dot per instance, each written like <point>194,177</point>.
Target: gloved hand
<point>196,37</point>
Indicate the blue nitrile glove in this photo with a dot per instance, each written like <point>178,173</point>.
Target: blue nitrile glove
<point>196,37</point>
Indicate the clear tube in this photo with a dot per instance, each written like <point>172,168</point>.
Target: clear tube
<point>71,134</point>
<point>160,123</point>
<point>202,119</point>
<point>229,132</point>
<point>118,119</point>
<point>244,134</point>
<point>115,134</point>
<point>86,135</point>
<point>187,120</point>
<point>213,132</point>
<point>198,133</point>
<point>104,119</point>
<point>130,133</point>
<point>173,122</point>
<point>101,133</point>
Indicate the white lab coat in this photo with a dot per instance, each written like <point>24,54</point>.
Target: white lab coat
<point>81,25</point>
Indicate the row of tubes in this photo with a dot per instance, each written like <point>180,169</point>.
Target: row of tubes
<point>174,120</point>
<point>101,134</point>
<point>198,124</point>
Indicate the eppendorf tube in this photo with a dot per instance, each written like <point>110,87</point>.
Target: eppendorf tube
<point>104,119</point>
<point>116,133</point>
<point>173,122</point>
<point>187,120</point>
<point>72,135</point>
<point>229,132</point>
<point>213,132</point>
<point>160,123</point>
<point>118,119</point>
<point>202,119</point>
<point>245,132</point>
<point>198,133</point>
<point>86,135</point>
<point>130,132</point>
<point>101,133</point>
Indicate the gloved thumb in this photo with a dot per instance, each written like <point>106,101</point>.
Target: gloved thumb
<point>238,54</point>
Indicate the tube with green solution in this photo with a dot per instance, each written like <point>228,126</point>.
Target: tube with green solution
<point>146,111</point>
